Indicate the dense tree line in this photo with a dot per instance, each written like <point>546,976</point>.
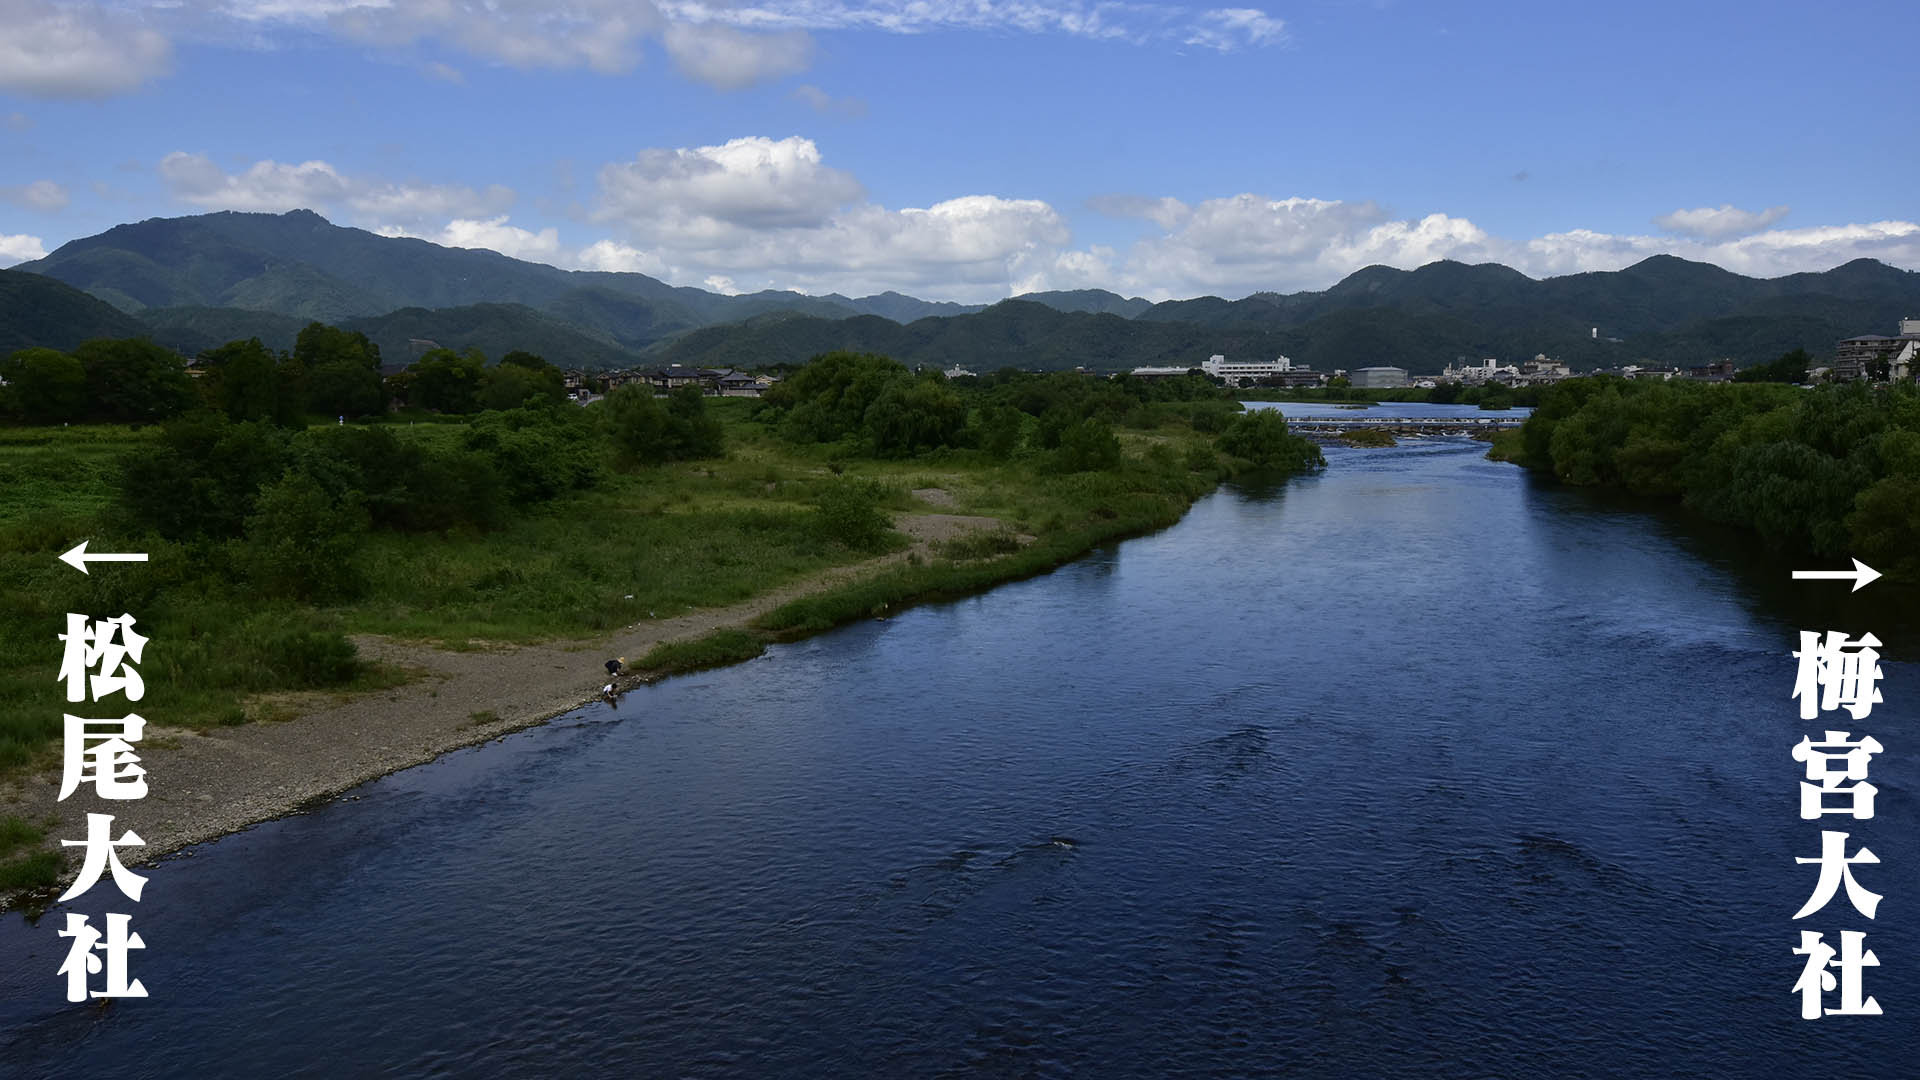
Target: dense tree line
<point>288,510</point>
<point>1063,421</point>
<point>1832,471</point>
<point>329,373</point>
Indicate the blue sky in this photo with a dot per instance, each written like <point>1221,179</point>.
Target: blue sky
<point>973,149</point>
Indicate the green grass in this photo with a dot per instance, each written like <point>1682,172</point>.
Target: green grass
<point>717,649</point>
<point>978,545</point>
<point>650,544</point>
<point>40,870</point>
<point>33,870</point>
<point>1077,513</point>
<point>17,832</point>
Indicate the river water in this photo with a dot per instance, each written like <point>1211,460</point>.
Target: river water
<point>1413,767</point>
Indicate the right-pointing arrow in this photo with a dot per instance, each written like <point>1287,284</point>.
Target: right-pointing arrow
<point>1861,575</point>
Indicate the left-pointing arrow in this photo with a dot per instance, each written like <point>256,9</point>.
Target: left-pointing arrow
<point>78,557</point>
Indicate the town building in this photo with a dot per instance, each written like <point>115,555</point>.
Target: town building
<point>1488,370</point>
<point>1719,371</point>
<point>1280,371</point>
<point>1865,356</point>
<point>1377,378</point>
<point>1245,372</point>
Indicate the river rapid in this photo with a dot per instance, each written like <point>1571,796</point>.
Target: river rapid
<point>1413,767</point>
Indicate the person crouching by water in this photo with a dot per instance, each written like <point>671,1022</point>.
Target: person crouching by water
<point>614,666</point>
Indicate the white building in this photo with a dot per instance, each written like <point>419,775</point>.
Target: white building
<point>1242,372</point>
<point>1487,370</point>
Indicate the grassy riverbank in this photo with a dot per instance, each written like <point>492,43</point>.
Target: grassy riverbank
<point>243,622</point>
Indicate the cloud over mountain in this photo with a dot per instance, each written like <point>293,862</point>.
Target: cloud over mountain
<point>316,185</point>
<point>764,213</point>
<point>1707,223</point>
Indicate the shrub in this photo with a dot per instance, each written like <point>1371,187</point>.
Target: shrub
<point>1088,446</point>
<point>848,512</point>
<point>1260,437</point>
<point>301,543</point>
<point>306,658</point>
<point>648,431</point>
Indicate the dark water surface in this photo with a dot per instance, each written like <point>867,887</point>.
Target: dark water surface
<point>1412,768</point>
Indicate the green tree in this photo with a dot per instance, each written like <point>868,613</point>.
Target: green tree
<point>447,381</point>
<point>849,512</point>
<point>43,386</point>
<point>647,430</point>
<point>999,429</point>
<point>1260,437</point>
<point>134,381</point>
<point>911,415</point>
<point>342,371</point>
<point>1088,446</point>
<point>827,399</point>
<point>203,477</point>
<point>303,543</point>
<point>696,433</point>
<point>520,378</point>
<point>1788,368</point>
<point>245,382</point>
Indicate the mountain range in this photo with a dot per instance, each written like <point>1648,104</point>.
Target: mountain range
<point>194,282</point>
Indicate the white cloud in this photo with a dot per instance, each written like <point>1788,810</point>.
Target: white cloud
<point>821,101</point>
<point>1248,243</point>
<point>1224,29</point>
<point>18,249</point>
<point>1707,223</point>
<point>266,185</point>
<point>599,34</point>
<point>1164,212</point>
<point>274,187</point>
<point>493,234</point>
<point>731,59</point>
<point>613,256</point>
<point>16,121</point>
<point>445,73</point>
<point>1227,29</point>
<point>763,213</point>
<point>42,195</point>
<point>767,213</point>
<point>701,192</point>
<point>1765,254</point>
<point>67,51</point>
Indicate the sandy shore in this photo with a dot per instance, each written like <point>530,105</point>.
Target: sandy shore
<point>206,783</point>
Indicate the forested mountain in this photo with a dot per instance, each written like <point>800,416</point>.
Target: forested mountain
<point>194,282</point>
<point>35,310</point>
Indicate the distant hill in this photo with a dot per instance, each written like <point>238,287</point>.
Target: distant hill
<point>201,280</point>
<point>1092,301</point>
<point>494,329</point>
<point>191,330</point>
<point>36,310</point>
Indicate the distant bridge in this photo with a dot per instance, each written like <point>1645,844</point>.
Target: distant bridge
<point>1410,425</point>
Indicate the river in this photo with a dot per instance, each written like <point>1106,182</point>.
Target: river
<point>1413,767</point>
